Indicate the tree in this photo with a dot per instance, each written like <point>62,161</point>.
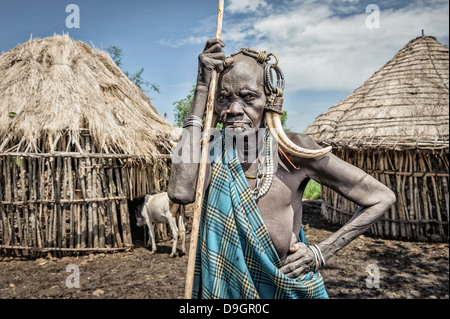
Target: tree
<point>182,108</point>
<point>116,54</point>
<point>283,119</point>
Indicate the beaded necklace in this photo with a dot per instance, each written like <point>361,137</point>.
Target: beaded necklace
<point>264,181</point>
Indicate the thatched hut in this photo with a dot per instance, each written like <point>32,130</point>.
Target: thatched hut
<point>77,140</point>
<point>395,127</point>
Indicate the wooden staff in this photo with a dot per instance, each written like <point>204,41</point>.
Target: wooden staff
<point>202,169</point>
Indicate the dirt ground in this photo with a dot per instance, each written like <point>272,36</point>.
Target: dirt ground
<point>407,270</point>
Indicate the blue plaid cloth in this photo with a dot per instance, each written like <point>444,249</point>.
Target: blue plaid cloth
<point>235,257</point>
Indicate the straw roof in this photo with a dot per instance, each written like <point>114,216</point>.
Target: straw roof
<point>57,86</point>
<point>403,105</point>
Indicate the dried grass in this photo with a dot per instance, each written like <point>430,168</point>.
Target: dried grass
<point>58,86</point>
<point>396,128</point>
<point>403,105</point>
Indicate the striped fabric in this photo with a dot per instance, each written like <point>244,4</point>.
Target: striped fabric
<point>236,258</point>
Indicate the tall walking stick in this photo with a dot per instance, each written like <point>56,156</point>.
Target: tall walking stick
<point>202,169</point>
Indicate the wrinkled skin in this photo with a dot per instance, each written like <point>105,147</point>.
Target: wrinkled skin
<point>240,104</point>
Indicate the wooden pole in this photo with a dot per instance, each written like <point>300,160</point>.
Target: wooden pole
<point>202,169</point>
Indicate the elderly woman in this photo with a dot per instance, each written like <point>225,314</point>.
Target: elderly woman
<point>251,241</point>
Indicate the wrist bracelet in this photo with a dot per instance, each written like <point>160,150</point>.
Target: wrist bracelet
<point>193,120</point>
<point>193,124</point>
<point>316,257</point>
<point>193,117</point>
<point>321,255</point>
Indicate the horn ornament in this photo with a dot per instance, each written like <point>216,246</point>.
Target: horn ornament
<point>273,107</point>
<point>276,129</point>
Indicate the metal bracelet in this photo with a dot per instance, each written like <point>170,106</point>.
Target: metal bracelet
<point>193,118</point>
<point>321,255</point>
<point>192,123</point>
<point>316,257</point>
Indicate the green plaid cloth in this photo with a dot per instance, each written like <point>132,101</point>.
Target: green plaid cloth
<point>236,258</point>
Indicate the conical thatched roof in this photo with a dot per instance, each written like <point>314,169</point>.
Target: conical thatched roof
<point>57,86</point>
<point>405,104</point>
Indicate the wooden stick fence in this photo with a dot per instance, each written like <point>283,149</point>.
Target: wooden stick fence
<point>69,201</point>
<point>420,180</point>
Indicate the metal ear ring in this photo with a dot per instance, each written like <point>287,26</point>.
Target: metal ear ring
<point>276,59</point>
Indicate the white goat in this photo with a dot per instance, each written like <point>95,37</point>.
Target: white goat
<point>159,209</point>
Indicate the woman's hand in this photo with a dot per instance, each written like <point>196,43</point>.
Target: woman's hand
<point>300,262</point>
<point>211,58</point>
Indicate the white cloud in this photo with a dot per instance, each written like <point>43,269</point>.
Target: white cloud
<point>325,44</point>
<point>246,6</point>
<point>177,43</point>
<point>321,50</point>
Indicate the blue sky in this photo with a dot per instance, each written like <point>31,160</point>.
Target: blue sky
<point>326,48</point>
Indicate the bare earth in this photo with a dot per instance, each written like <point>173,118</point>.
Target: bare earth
<point>407,270</point>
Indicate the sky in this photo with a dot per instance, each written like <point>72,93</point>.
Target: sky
<point>326,48</point>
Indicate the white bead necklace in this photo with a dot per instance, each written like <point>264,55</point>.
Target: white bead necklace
<point>262,188</point>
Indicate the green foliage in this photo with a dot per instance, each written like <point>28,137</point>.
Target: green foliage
<point>116,54</point>
<point>137,79</point>
<point>182,108</point>
<point>283,119</point>
<point>312,190</point>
